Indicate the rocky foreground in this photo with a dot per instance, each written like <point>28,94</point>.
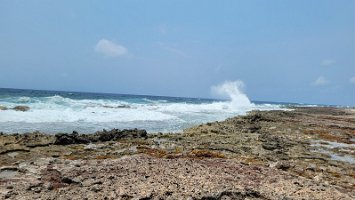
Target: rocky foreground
<point>307,153</point>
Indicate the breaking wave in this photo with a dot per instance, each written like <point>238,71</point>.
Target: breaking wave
<point>166,114</point>
<point>234,91</point>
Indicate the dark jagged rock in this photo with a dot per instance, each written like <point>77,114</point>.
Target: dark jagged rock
<point>100,136</point>
<point>21,108</point>
<point>74,138</point>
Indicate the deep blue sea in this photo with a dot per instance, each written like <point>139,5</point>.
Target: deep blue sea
<point>58,111</point>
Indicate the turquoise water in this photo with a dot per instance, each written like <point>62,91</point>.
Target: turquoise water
<point>58,111</point>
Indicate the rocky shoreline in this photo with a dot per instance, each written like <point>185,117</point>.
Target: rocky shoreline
<point>306,153</point>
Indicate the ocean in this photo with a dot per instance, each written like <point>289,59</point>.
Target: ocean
<point>58,111</point>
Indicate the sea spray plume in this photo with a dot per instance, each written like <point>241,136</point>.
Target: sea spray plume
<point>233,90</point>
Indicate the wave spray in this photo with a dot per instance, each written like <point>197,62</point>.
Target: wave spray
<point>234,91</point>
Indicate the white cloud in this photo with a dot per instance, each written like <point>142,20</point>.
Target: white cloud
<point>110,49</point>
<point>320,81</point>
<point>352,80</point>
<point>328,62</point>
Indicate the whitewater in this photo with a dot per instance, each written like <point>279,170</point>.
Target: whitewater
<point>53,111</point>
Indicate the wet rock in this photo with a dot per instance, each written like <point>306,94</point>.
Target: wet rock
<point>116,134</point>
<point>21,108</point>
<point>3,108</point>
<point>120,106</point>
<point>66,139</point>
<point>101,136</point>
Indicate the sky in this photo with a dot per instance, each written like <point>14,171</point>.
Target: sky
<point>286,51</point>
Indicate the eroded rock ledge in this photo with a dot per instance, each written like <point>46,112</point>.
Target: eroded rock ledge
<point>307,153</point>
<point>101,136</point>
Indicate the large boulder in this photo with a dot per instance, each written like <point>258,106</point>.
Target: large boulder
<point>3,107</point>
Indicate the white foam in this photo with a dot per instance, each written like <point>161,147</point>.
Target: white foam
<point>234,91</point>
<point>155,101</point>
<point>82,111</point>
<point>62,114</point>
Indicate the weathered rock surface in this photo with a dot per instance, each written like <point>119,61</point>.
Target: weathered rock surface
<point>146,177</point>
<point>307,153</point>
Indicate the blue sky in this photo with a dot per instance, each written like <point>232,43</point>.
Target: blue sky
<point>292,51</point>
